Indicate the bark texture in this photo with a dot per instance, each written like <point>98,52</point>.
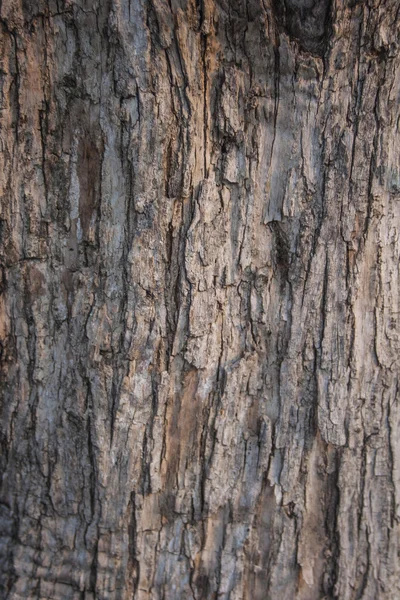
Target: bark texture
<point>199,310</point>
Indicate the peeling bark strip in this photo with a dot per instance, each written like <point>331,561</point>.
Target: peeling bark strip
<point>199,307</point>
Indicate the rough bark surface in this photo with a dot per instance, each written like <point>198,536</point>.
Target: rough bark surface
<point>199,310</point>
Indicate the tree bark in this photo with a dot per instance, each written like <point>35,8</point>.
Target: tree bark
<point>200,220</point>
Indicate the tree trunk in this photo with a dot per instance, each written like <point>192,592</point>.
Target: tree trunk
<point>200,221</point>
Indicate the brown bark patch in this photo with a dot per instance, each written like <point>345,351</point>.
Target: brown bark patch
<point>89,175</point>
<point>36,282</point>
<point>182,425</point>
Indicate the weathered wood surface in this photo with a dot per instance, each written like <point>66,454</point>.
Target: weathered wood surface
<point>200,219</point>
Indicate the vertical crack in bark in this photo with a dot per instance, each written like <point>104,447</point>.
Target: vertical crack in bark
<point>204,43</point>
<point>16,102</point>
<point>134,564</point>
